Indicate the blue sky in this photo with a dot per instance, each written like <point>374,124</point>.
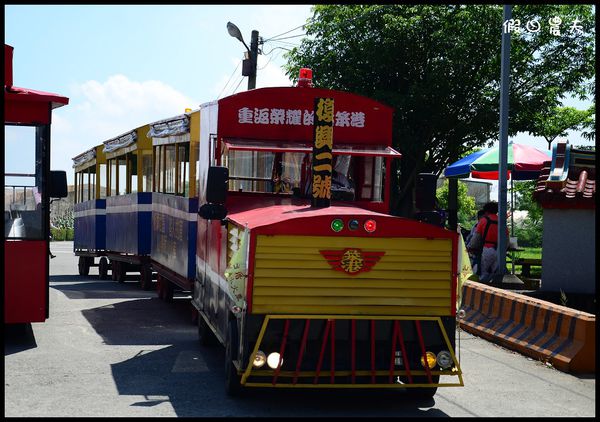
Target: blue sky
<point>125,66</point>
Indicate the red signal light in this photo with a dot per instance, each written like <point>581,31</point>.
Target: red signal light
<point>305,77</point>
<point>370,226</point>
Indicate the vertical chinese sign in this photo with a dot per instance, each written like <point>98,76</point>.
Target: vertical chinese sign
<point>322,152</point>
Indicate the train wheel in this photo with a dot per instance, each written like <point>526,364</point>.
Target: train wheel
<point>146,277</point>
<point>113,270</point>
<point>83,265</point>
<point>103,268</point>
<point>160,287</point>
<point>168,291</point>
<point>232,378</point>
<point>119,271</point>
<point>205,334</point>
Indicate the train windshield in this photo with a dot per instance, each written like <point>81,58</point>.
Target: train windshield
<point>358,174</point>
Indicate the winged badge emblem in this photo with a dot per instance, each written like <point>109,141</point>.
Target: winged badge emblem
<point>352,261</point>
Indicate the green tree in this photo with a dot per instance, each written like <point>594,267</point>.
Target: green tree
<point>529,232</point>
<point>589,125</point>
<point>438,66</point>
<point>560,120</point>
<point>467,211</point>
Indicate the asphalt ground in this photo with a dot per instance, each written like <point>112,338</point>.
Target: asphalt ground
<point>111,349</point>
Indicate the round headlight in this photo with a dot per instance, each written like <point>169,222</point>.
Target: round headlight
<point>273,360</point>
<point>259,359</point>
<point>430,360</point>
<point>444,359</point>
<point>353,224</point>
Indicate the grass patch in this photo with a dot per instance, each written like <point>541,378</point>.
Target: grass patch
<point>535,253</point>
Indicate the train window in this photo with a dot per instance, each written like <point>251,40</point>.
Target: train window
<point>112,177</point>
<point>85,181</point>
<point>132,173</point>
<point>354,177</point>
<point>122,175</point>
<point>102,193</point>
<point>250,171</point>
<point>288,171</point>
<point>147,171</point>
<point>172,168</point>
<point>183,158</point>
<point>22,184</point>
<point>371,176</point>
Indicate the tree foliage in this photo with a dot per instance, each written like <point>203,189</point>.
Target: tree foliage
<point>438,66</point>
<point>560,120</point>
<point>589,124</point>
<point>529,232</point>
<point>467,210</point>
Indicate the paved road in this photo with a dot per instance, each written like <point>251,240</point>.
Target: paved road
<point>111,349</point>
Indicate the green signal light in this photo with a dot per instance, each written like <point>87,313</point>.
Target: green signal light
<point>337,225</point>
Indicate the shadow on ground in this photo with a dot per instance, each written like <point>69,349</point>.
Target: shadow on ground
<point>77,287</point>
<point>191,377</point>
<point>18,338</point>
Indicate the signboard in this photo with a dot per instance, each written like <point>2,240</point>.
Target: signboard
<point>322,152</point>
<point>288,114</point>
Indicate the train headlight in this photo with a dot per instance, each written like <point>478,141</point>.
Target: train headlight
<point>273,360</point>
<point>259,359</point>
<point>444,359</point>
<point>353,224</point>
<point>430,360</point>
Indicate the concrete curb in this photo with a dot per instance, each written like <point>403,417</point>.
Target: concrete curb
<point>542,330</point>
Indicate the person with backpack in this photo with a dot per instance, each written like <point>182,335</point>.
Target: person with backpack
<point>485,241</point>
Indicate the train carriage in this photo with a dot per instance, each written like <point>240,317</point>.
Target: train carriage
<point>90,211</point>
<point>129,204</point>
<point>174,202</point>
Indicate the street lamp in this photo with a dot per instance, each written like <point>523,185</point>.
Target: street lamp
<point>249,63</point>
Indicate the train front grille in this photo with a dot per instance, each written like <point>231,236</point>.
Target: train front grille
<point>407,276</point>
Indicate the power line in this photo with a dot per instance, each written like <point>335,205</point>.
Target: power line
<point>287,32</point>
<point>273,57</point>
<point>285,38</point>
<point>287,43</point>
<point>276,48</point>
<point>236,68</point>
<point>238,85</point>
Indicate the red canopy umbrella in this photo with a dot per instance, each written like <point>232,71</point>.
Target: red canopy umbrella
<point>523,162</point>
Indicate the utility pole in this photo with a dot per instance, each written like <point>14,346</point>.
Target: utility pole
<point>503,167</point>
<point>250,62</point>
<point>253,60</point>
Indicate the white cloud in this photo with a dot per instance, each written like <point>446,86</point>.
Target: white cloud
<point>98,111</point>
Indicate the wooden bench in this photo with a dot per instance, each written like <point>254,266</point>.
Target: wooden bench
<point>526,264</point>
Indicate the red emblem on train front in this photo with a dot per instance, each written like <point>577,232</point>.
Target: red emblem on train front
<point>352,261</point>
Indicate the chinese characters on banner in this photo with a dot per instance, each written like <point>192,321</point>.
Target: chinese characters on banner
<point>533,25</point>
<point>322,152</point>
<point>297,117</point>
